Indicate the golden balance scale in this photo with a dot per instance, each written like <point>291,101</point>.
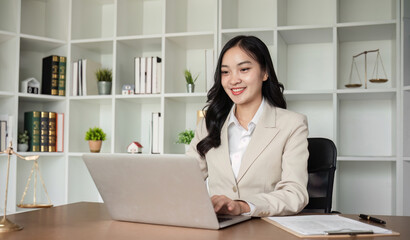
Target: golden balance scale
<point>5,224</point>
<point>375,75</point>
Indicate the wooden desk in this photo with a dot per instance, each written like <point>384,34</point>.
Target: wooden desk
<point>92,221</point>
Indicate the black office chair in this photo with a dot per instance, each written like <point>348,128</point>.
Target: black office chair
<point>321,169</point>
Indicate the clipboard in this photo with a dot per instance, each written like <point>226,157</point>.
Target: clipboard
<point>356,234</point>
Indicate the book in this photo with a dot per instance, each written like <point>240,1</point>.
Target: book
<point>155,145</point>
<point>49,84</point>
<point>52,132</point>
<point>60,132</point>
<point>148,80</point>
<point>61,75</point>
<point>44,132</point>
<point>32,125</point>
<point>80,77</point>
<point>209,68</point>
<point>89,79</point>
<point>75,79</point>
<point>137,74</point>
<point>143,74</point>
<point>3,135</point>
<point>156,74</point>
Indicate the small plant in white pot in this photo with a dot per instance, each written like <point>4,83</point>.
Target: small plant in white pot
<point>22,141</point>
<point>95,136</point>
<point>104,78</point>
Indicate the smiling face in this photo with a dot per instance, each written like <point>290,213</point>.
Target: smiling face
<point>242,78</point>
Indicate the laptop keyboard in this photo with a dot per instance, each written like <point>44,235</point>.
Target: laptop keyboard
<point>223,219</point>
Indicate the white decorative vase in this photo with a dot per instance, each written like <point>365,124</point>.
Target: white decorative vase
<point>22,147</point>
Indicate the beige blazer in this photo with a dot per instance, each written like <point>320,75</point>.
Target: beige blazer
<point>273,173</point>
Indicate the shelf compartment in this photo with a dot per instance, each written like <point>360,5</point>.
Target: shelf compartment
<point>9,61</point>
<point>89,113</point>
<point>141,17</point>
<point>97,51</point>
<point>406,123</point>
<point>246,14</point>
<point>127,50</point>
<point>306,63</point>
<point>406,189</point>
<point>357,182</point>
<point>52,169</point>
<point>45,18</point>
<point>406,52</point>
<point>186,52</point>
<point>190,16</point>
<point>319,113</point>
<point>92,19</point>
<point>133,122</point>
<point>180,114</point>
<point>32,52</point>
<point>367,124</point>
<point>266,35</point>
<point>8,15</point>
<point>377,10</point>
<point>81,186</point>
<point>357,39</point>
<point>301,12</point>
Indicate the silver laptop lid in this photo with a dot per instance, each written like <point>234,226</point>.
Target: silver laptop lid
<point>158,189</point>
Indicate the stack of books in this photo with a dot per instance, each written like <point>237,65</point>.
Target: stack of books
<point>148,72</point>
<point>83,78</point>
<point>53,75</point>
<point>45,130</point>
<point>6,122</point>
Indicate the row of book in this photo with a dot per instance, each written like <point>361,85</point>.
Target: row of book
<point>83,78</point>
<point>45,130</point>
<point>54,75</point>
<point>6,128</point>
<point>148,74</point>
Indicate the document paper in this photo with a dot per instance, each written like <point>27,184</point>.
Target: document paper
<point>320,224</point>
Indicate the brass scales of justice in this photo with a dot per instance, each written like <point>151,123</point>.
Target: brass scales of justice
<point>5,224</point>
<point>375,78</point>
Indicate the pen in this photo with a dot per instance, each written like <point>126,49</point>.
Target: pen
<point>370,218</point>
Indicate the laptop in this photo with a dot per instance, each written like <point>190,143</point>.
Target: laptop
<point>157,189</point>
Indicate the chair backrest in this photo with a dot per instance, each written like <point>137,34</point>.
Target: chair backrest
<point>321,169</point>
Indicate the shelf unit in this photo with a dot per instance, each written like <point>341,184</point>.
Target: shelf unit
<point>311,43</point>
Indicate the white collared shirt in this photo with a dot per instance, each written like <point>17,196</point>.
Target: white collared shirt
<point>239,137</point>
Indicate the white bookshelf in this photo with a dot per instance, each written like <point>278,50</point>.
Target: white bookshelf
<point>311,43</point>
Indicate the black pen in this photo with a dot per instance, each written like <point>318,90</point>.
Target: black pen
<point>373,219</point>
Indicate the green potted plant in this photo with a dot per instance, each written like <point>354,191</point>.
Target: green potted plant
<point>95,136</point>
<point>190,81</point>
<point>104,78</point>
<point>22,141</point>
<point>185,137</point>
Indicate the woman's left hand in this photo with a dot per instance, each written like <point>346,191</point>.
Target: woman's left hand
<point>224,205</point>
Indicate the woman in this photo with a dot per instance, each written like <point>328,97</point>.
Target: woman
<point>253,151</point>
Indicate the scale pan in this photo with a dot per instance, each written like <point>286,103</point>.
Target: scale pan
<point>353,85</point>
<point>378,80</point>
<point>34,205</point>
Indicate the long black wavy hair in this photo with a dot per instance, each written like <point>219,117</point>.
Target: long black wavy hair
<point>219,103</point>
